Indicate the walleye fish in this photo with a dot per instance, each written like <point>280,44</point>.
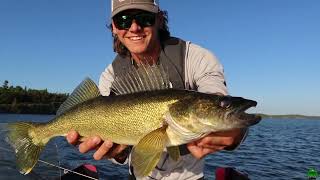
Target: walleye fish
<point>146,113</point>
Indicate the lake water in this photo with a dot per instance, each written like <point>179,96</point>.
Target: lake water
<point>274,149</point>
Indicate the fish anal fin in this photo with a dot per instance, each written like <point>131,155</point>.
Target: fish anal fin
<point>147,153</point>
<point>174,152</point>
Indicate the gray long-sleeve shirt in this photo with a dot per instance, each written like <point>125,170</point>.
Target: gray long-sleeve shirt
<point>203,73</point>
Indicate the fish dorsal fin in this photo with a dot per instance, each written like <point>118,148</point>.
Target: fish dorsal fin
<point>86,90</point>
<point>143,78</point>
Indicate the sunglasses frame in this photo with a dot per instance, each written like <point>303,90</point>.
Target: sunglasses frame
<point>143,19</point>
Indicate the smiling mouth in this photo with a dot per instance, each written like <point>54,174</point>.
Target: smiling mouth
<point>136,38</point>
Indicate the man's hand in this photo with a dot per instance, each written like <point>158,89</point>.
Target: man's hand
<point>215,142</point>
<point>106,148</point>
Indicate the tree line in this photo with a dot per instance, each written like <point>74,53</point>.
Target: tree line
<point>29,101</point>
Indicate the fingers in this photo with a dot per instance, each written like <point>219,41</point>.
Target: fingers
<point>103,150</point>
<point>200,152</point>
<point>226,138</point>
<point>90,144</point>
<point>109,150</point>
<point>194,150</point>
<point>72,137</point>
<point>117,150</point>
<point>215,147</point>
<point>216,141</point>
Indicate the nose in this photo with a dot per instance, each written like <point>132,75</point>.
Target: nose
<point>135,26</point>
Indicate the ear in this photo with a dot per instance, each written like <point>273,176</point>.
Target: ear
<point>114,28</point>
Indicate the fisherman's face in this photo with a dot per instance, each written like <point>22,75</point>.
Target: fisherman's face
<point>137,30</point>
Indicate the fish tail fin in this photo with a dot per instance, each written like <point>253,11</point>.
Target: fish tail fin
<point>26,151</point>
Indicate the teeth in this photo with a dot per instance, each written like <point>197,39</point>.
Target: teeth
<point>135,38</point>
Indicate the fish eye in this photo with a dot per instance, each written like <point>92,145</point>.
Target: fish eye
<point>225,102</point>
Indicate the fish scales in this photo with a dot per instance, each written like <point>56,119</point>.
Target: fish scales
<point>125,119</point>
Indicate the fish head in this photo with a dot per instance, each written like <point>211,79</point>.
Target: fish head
<point>221,113</point>
<point>235,111</point>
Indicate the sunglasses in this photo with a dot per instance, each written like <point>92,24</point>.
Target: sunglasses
<point>124,20</point>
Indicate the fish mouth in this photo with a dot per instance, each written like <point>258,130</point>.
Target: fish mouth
<point>252,119</point>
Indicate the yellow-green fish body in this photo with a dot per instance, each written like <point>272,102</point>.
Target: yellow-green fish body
<point>125,119</point>
<point>150,120</point>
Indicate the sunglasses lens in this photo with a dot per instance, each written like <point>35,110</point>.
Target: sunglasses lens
<point>123,21</point>
<point>145,19</point>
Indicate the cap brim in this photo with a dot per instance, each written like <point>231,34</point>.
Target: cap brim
<point>145,7</point>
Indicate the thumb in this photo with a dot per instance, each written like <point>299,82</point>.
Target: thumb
<point>195,150</point>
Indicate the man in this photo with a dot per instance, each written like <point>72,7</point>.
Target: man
<point>141,35</point>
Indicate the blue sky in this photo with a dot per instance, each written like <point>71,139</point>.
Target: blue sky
<point>270,49</point>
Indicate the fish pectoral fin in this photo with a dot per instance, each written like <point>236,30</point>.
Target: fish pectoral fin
<point>174,152</point>
<point>147,153</point>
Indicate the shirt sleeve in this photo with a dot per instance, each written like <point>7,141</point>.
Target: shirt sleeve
<point>203,71</point>
<point>105,81</point>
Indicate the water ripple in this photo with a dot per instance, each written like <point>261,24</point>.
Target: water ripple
<point>274,149</point>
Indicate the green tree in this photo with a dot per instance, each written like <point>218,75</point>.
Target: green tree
<point>14,107</point>
<point>23,100</point>
<point>5,84</point>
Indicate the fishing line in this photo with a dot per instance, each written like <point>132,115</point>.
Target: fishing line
<point>67,170</point>
<point>64,169</point>
<point>4,131</point>
<point>5,149</point>
<point>58,158</point>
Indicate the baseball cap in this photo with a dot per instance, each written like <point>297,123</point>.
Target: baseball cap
<point>146,5</point>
